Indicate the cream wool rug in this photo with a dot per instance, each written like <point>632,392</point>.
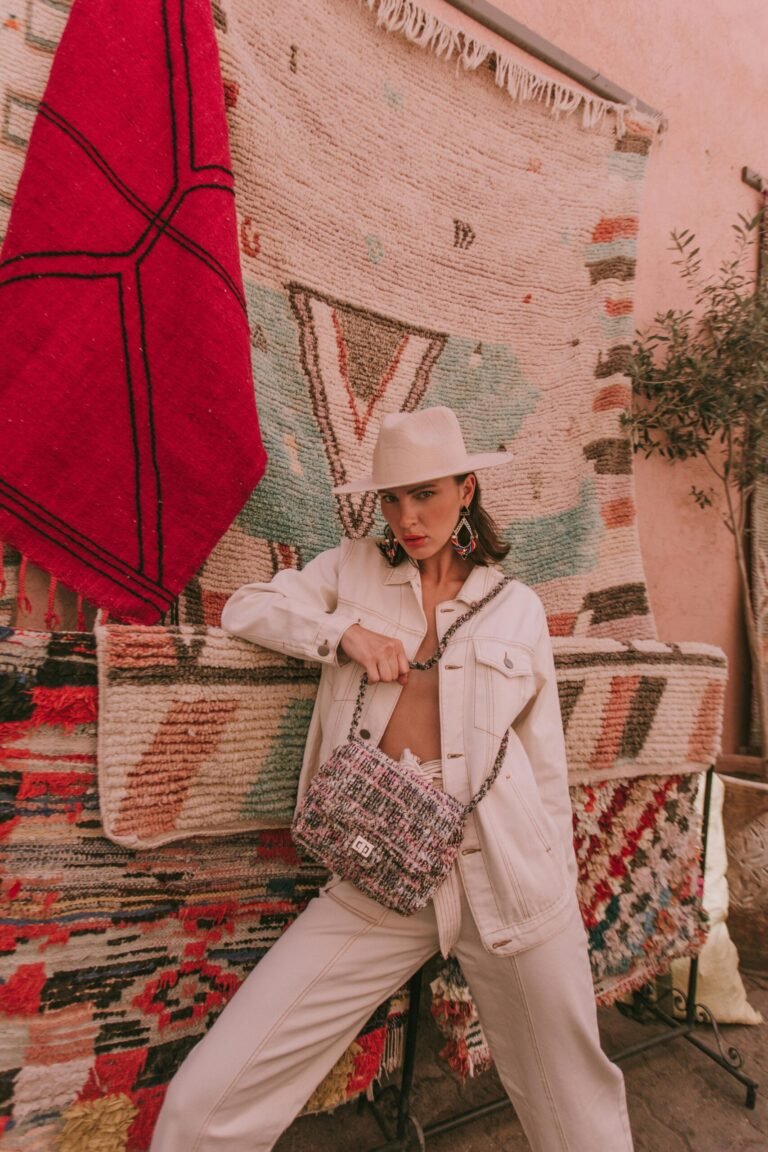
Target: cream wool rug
<point>415,233</point>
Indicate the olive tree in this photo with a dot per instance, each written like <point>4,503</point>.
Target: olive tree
<point>700,390</point>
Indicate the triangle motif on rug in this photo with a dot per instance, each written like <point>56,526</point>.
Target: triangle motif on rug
<point>359,365</point>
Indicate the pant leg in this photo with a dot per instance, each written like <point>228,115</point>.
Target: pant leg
<point>538,1012</point>
<point>290,1022</point>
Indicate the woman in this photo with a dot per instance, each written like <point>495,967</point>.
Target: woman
<point>508,909</point>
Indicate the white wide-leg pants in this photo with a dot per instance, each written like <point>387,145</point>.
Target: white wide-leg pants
<point>306,1001</point>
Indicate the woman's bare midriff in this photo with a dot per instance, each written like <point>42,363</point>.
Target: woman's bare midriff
<point>415,722</point>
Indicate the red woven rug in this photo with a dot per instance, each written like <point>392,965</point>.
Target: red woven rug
<point>129,439</point>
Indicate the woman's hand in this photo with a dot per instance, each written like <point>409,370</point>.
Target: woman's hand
<point>382,657</point>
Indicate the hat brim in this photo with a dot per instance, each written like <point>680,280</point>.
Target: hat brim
<point>473,463</point>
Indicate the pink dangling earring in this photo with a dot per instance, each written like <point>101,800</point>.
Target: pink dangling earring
<point>464,537</point>
<point>389,547</point>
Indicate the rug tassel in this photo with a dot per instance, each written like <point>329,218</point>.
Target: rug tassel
<point>3,581</point>
<point>422,28</point>
<point>80,614</point>
<point>51,617</point>
<point>23,602</point>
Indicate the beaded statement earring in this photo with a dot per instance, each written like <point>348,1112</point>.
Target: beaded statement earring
<point>464,537</point>
<point>390,548</point>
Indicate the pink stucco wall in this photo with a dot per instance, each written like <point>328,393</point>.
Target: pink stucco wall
<point>705,66</point>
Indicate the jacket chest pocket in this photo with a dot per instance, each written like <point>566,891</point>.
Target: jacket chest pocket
<point>504,684</point>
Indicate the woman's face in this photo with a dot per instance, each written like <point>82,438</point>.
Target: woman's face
<point>423,516</point>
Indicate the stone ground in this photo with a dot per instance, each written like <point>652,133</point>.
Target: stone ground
<point>679,1100</point>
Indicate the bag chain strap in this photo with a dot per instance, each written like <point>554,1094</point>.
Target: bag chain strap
<point>424,666</point>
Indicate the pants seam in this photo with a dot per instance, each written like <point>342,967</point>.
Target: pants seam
<point>537,1051</point>
<point>297,1000</point>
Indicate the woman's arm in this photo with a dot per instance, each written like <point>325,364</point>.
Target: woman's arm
<point>540,730</point>
<point>296,612</point>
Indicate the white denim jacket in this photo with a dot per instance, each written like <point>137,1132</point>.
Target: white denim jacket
<point>517,862</point>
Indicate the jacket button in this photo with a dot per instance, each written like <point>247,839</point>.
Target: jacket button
<point>323,649</point>
<point>365,734</point>
<point>501,943</point>
<point>469,851</point>
<point>507,662</point>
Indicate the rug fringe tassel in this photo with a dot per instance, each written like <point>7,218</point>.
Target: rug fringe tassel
<point>23,602</point>
<point>430,32</point>
<point>3,579</point>
<point>52,619</point>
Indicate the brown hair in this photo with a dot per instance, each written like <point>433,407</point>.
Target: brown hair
<point>490,547</point>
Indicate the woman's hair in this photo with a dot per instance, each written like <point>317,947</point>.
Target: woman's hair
<point>490,547</point>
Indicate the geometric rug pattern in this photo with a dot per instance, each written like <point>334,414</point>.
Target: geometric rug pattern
<point>113,963</point>
<point>414,236</point>
<point>202,733</point>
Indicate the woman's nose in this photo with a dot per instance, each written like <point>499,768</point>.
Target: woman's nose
<point>407,515</point>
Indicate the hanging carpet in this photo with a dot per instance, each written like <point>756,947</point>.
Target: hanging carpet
<point>129,439</point>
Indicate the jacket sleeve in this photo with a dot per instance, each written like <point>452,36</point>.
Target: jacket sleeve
<point>296,612</point>
<point>540,730</point>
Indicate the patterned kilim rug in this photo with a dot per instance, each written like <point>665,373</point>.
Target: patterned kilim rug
<point>114,963</point>
<point>416,234</point>
<point>122,314</point>
<point>635,715</point>
<point>201,733</point>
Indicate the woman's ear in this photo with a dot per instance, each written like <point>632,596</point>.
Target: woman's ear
<point>468,485</point>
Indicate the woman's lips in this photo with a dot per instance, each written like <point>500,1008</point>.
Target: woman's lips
<point>413,539</point>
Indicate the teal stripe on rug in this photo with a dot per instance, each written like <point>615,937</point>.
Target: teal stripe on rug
<point>564,544</point>
<point>273,793</point>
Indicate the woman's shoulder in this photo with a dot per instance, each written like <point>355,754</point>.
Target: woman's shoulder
<point>514,599</point>
<point>494,575</point>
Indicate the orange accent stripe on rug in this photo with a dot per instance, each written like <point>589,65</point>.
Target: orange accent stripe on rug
<point>618,307</point>
<point>614,717</point>
<point>613,396</point>
<point>61,1035</point>
<point>157,647</point>
<point>705,734</point>
<point>618,513</point>
<point>197,725</point>
<point>561,623</point>
<point>615,228</point>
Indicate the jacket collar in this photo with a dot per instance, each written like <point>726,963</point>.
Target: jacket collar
<point>479,581</point>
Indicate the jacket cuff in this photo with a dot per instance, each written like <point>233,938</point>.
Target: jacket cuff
<point>326,644</point>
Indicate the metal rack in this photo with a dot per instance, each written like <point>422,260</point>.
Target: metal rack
<point>646,1007</point>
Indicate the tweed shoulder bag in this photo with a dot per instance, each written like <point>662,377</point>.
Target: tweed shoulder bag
<point>378,824</point>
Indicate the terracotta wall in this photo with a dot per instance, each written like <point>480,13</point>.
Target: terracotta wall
<point>705,65</point>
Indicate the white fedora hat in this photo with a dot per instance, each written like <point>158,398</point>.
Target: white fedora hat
<point>415,446</point>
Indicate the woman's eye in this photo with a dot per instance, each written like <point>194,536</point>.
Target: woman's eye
<point>387,498</point>
<point>427,492</point>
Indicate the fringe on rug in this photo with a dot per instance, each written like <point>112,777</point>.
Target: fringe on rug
<point>9,573</point>
<point>522,83</point>
<point>376,1053</point>
<point>466,1052</point>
